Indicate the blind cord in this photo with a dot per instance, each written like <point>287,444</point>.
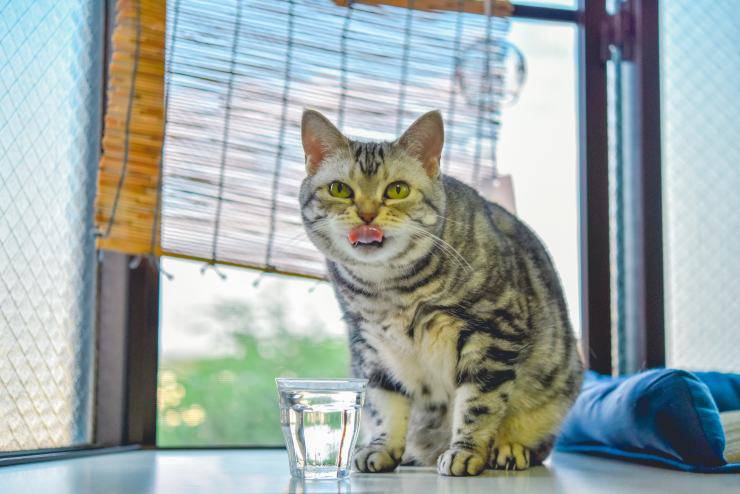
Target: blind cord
<point>281,138</point>
<point>224,143</point>
<point>451,104</point>
<point>343,65</point>
<point>483,91</point>
<point>400,110</point>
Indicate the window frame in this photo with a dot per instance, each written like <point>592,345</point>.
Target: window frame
<point>125,411</point>
<point>644,96</point>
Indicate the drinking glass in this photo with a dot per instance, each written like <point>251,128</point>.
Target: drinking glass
<point>320,419</point>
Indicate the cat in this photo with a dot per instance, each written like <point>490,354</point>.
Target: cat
<point>455,312</point>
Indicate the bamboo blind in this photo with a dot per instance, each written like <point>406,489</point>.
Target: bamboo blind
<point>238,75</point>
<point>128,179</point>
<point>501,8</point>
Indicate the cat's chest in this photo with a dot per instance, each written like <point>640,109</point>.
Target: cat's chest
<point>387,323</point>
<point>388,317</point>
<point>419,352</point>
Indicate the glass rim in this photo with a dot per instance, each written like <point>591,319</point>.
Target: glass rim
<point>323,384</point>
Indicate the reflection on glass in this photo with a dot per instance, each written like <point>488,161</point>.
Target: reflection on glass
<point>301,486</point>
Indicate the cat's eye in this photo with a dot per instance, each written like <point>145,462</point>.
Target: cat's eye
<point>340,190</point>
<point>397,190</point>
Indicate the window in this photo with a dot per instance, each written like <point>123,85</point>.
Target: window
<point>238,74</point>
<point>224,340</point>
<point>50,82</point>
<point>538,146</point>
<point>701,179</point>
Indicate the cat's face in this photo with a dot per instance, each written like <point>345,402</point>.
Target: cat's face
<point>372,203</point>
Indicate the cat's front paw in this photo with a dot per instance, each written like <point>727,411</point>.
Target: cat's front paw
<point>376,459</point>
<point>510,456</point>
<point>459,462</point>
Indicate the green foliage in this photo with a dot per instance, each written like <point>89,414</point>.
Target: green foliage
<point>233,400</point>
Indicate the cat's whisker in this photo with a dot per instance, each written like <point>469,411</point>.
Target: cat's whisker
<point>446,245</point>
<point>446,220</point>
<point>444,250</point>
<point>454,251</point>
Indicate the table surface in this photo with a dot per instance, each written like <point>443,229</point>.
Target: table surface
<point>266,471</point>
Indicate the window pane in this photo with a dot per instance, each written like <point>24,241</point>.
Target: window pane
<point>700,70</point>
<point>49,122</point>
<point>538,146</point>
<point>223,341</point>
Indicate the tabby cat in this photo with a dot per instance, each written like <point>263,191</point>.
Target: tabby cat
<point>455,312</point>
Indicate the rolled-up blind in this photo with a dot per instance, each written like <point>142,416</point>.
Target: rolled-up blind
<point>240,73</point>
<point>128,177</point>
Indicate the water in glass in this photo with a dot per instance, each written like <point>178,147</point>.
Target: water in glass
<point>320,421</point>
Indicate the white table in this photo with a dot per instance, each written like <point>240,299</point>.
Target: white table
<point>266,471</point>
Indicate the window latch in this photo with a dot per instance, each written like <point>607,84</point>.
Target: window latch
<point>618,32</point>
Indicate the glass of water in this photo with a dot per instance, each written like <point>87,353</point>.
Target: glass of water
<point>320,419</point>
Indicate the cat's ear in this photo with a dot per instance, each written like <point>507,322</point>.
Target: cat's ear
<point>320,139</point>
<point>424,141</point>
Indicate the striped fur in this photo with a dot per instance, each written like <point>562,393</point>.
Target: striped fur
<point>458,320</point>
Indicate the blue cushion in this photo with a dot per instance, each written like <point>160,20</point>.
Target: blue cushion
<point>666,417</point>
<point>724,388</point>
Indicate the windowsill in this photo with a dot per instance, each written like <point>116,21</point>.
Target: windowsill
<point>266,471</point>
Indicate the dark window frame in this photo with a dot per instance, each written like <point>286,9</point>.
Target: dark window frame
<point>648,347</point>
<point>128,291</point>
<point>594,190</point>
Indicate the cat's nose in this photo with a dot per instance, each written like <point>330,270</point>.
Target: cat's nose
<point>368,216</point>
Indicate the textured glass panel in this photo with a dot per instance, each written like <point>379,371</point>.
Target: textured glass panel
<point>49,126</point>
<point>700,64</point>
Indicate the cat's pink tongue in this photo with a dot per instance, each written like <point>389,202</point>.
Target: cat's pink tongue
<point>365,234</point>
